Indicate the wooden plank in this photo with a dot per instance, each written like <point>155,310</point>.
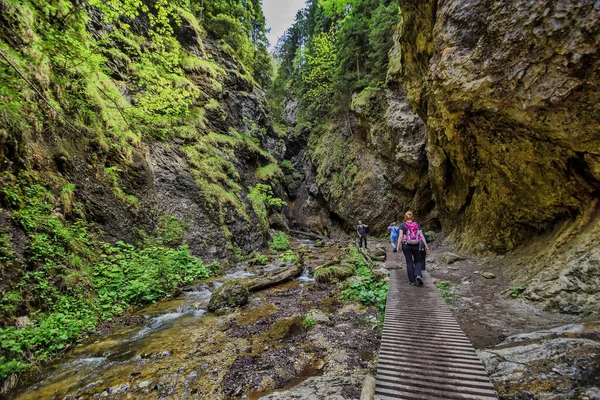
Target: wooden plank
<point>424,354</point>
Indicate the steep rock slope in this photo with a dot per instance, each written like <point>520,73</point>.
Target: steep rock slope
<point>369,166</point>
<point>134,140</point>
<point>510,94</point>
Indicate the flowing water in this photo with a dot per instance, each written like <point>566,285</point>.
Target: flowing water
<point>176,349</point>
<point>91,363</point>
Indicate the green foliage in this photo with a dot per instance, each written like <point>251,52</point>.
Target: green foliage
<point>260,259</point>
<point>268,173</point>
<point>6,253</point>
<point>241,26</point>
<point>288,256</point>
<point>308,323</point>
<point>239,254</point>
<point>446,292</point>
<point>318,86</point>
<point>368,290</point>
<point>280,242</point>
<point>112,173</point>
<point>376,322</point>
<point>334,48</point>
<point>517,290</point>
<point>127,275</point>
<point>74,280</point>
<point>261,197</point>
<point>264,193</point>
<point>171,230</point>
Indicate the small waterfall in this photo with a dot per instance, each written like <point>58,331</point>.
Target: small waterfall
<point>305,276</point>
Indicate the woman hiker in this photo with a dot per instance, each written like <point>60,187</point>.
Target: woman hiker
<point>394,232</point>
<point>410,236</point>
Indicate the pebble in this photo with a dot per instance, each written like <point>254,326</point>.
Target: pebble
<point>144,384</point>
<point>488,275</point>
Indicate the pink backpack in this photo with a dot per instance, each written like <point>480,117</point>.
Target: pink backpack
<point>413,233</point>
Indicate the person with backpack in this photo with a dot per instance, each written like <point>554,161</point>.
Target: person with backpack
<point>394,233</point>
<point>410,237</point>
<point>362,234</point>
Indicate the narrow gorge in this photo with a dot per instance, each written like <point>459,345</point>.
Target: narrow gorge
<point>179,201</point>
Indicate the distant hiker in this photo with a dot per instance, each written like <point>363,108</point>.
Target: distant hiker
<point>410,237</point>
<point>362,234</point>
<point>394,232</point>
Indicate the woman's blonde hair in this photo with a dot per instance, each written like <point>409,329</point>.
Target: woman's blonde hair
<point>408,216</point>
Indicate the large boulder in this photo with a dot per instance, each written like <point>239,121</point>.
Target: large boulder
<point>555,363</point>
<point>231,294</point>
<point>323,387</point>
<point>335,273</point>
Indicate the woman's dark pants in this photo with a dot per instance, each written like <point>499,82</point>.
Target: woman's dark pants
<point>415,260</point>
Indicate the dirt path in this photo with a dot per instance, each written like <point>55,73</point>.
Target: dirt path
<point>484,307</point>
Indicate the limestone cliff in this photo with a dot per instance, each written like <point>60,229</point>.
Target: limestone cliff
<point>509,91</point>
<point>369,165</point>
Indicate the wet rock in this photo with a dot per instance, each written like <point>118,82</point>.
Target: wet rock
<point>319,317</point>
<point>22,322</point>
<point>230,295</point>
<point>559,362</point>
<point>144,384</point>
<point>278,221</point>
<point>381,273</point>
<point>488,275</point>
<point>378,254</point>
<point>325,387</point>
<point>449,258</point>
<point>591,393</point>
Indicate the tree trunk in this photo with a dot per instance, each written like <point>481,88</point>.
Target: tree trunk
<point>268,281</point>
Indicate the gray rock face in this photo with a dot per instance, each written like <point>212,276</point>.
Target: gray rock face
<point>323,387</point>
<point>231,294</point>
<point>557,363</point>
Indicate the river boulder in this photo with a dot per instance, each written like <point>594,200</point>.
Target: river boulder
<point>230,295</point>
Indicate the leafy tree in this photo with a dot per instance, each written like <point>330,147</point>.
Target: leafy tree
<point>334,48</point>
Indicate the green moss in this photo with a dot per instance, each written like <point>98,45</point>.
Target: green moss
<point>334,273</point>
<point>112,173</point>
<point>280,328</point>
<point>287,165</point>
<point>269,173</point>
<point>446,292</point>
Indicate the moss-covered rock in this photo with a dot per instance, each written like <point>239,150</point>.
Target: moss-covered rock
<point>336,273</point>
<point>231,294</point>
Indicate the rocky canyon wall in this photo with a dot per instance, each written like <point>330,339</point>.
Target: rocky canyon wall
<point>510,94</point>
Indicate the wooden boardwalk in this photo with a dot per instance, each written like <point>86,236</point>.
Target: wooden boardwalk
<point>424,354</point>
